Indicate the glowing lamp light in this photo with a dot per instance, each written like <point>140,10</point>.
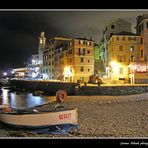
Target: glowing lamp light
<point>5,73</point>
<point>68,71</point>
<point>113,63</point>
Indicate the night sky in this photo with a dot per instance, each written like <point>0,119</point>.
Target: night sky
<point>19,30</point>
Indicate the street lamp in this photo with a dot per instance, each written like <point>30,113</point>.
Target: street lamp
<point>5,73</point>
<point>68,72</point>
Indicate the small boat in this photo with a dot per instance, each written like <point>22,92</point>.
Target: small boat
<point>40,120</point>
<point>59,119</point>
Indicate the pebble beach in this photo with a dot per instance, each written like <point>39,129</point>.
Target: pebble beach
<point>101,117</point>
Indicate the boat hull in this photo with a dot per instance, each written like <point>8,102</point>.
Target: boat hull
<point>41,119</point>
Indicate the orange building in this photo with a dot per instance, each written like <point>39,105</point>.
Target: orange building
<point>123,49</point>
<point>68,59</point>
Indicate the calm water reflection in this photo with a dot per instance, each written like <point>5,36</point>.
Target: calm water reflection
<point>20,99</point>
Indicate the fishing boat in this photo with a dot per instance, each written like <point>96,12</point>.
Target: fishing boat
<point>59,118</point>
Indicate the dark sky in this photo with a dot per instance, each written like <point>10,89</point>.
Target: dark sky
<point>19,30</point>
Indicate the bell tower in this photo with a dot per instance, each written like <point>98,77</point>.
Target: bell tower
<point>42,40</point>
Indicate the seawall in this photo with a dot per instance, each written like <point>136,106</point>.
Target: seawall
<point>73,89</point>
<point>46,86</point>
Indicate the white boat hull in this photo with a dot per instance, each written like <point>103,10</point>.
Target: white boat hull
<point>41,119</point>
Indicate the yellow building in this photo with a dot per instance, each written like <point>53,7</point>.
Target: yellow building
<point>68,59</point>
<point>123,49</point>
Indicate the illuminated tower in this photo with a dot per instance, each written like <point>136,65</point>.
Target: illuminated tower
<point>42,41</point>
<point>42,46</point>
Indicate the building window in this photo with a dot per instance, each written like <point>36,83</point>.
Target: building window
<point>70,60</point>
<point>112,26</point>
<point>88,61</point>
<point>82,59</point>
<point>70,51</point>
<point>52,63</point>
<point>120,58</point>
<point>132,58</point>
<point>132,48</point>
<point>88,70</point>
<point>82,51</point>
<point>141,53</point>
<point>84,42</point>
<point>79,42</point>
<point>141,40</point>
<point>147,25</point>
<point>120,48</point>
<point>81,68</point>
<point>88,51</point>
<point>90,43</point>
<point>49,63</point>
<point>121,71</point>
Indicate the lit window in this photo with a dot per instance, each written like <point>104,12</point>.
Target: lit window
<point>132,48</point>
<point>132,58</point>
<point>121,71</point>
<point>82,51</point>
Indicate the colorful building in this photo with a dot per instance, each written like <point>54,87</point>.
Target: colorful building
<point>123,49</point>
<point>68,59</point>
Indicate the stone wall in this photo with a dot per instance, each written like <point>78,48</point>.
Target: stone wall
<point>112,90</point>
<point>46,86</point>
<point>52,87</point>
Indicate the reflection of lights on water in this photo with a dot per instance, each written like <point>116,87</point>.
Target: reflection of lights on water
<point>13,101</point>
<point>21,100</point>
<point>34,100</point>
<point>5,73</point>
<point>5,96</point>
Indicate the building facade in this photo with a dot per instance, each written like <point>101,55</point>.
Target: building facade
<point>113,27</point>
<point>123,50</point>
<point>142,30</point>
<point>68,59</point>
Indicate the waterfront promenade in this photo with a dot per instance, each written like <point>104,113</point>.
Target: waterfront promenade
<point>103,116</point>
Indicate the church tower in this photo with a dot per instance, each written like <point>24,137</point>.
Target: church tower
<point>42,40</point>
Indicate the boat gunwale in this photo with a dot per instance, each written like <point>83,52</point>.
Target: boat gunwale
<point>36,113</point>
